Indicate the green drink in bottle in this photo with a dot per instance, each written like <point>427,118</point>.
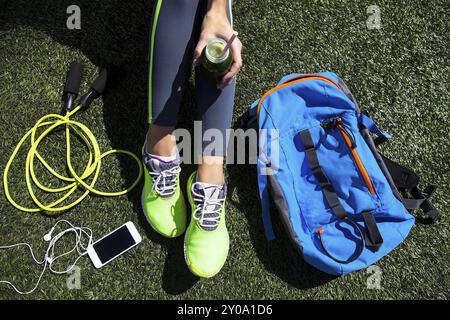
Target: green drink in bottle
<point>215,60</point>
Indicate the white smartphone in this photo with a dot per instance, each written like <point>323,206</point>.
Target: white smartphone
<point>114,244</point>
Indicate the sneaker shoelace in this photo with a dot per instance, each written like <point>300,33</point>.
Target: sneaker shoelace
<point>207,212</point>
<point>165,181</point>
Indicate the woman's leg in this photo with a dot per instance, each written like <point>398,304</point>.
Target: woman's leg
<point>175,27</point>
<point>217,110</point>
<point>173,33</point>
<point>216,107</point>
<point>207,241</point>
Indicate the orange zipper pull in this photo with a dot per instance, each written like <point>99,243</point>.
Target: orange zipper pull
<point>347,133</point>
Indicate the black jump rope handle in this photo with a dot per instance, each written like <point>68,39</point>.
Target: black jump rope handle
<point>96,90</point>
<point>72,87</point>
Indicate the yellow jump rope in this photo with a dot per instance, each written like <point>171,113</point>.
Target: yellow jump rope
<point>52,122</point>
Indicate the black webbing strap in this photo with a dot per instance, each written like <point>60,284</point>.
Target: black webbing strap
<point>404,178</point>
<point>371,236</point>
<point>327,188</point>
<point>421,198</point>
<point>407,182</point>
<point>379,140</point>
<point>412,204</point>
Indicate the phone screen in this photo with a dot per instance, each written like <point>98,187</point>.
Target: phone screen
<point>114,244</point>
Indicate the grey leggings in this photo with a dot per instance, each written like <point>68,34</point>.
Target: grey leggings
<point>174,34</point>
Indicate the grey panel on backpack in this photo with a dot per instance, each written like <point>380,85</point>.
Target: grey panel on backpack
<point>280,203</point>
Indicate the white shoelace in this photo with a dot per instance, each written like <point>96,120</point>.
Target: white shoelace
<point>165,181</point>
<point>208,209</point>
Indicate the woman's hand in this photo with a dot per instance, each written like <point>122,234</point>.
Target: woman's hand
<point>216,25</point>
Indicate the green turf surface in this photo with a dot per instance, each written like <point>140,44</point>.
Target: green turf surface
<point>399,74</point>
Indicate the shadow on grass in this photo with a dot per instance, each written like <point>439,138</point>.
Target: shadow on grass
<point>115,34</point>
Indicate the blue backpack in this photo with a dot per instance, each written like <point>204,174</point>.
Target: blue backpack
<point>343,204</point>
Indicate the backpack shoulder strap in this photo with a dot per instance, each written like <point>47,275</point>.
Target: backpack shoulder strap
<point>407,182</point>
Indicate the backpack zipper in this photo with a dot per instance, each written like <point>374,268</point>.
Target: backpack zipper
<point>291,81</point>
<point>350,141</point>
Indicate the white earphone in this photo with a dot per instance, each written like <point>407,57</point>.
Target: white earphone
<point>49,256</point>
<point>48,236</point>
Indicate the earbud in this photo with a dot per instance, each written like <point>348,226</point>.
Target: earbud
<point>48,236</point>
<point>49,256</point>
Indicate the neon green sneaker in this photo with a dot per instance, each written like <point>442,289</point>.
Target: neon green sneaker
<point>206,241</point>
<point>162,200</point>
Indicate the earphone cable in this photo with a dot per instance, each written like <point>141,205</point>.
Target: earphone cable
<point>49,256</point>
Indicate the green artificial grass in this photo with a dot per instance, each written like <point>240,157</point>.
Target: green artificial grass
<point>399,73</point>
